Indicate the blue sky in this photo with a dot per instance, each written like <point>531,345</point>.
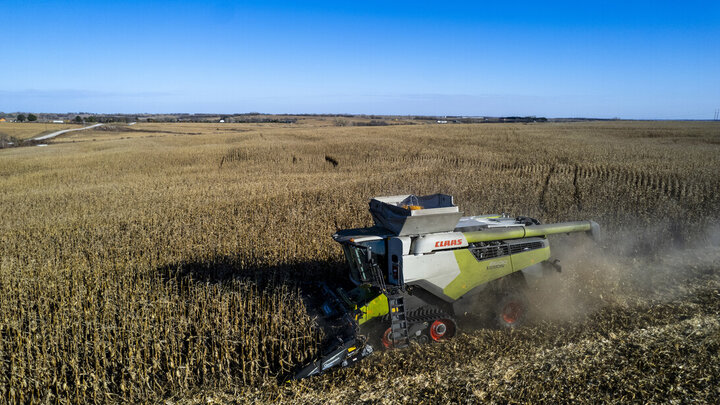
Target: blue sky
<point>656,60</point>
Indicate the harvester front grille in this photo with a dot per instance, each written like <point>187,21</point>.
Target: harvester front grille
<point>502,249</point>
<point>489,252</point>
<point>522,247</point>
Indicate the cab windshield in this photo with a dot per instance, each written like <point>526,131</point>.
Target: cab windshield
<point>360,267</point>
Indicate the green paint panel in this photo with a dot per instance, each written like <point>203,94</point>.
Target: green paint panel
<point>376,307</point>
<point>474,273</point>
<point>527,259</point>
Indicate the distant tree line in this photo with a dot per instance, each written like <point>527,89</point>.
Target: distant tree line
<point>477,120</point>
<point>246,118</point>
<point>524,119</point>
<point>341,122</point>
<point>23,118</point>
<point>103,119</point>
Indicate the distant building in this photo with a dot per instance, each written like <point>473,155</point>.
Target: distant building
<point>222,121</point>
<point>2,119</point>
<point>58,122</point>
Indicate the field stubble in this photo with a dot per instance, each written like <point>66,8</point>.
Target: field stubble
<point>138,265</point>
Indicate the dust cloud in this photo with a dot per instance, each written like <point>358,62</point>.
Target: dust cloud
<point>626,269</point>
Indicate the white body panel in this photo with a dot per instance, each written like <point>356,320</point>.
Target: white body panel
<point>439,269</point>
<point>438,241</point>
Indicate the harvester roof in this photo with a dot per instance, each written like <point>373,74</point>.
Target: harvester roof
<point>418,215</point>
<point>361,234</point>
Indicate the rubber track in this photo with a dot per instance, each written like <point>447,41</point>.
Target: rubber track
<point>428,313</point>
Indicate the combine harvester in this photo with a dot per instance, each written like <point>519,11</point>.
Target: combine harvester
<point>419,266</point>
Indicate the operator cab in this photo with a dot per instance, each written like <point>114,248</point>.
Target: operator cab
<point>397,219</point>
<point>363,246</point>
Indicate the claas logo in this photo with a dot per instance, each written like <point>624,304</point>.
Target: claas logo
<point>445,243</point>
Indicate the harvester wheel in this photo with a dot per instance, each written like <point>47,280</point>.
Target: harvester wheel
<point>511,309</point>
<point>386,341</point>
<point>442,329</point>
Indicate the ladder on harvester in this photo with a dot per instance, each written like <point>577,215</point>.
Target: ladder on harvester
<point>398,321</point>
<point>399,334</point>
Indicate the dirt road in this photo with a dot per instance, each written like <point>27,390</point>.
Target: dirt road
<point>56,133</point>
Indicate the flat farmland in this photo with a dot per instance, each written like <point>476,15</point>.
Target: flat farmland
<point>28,130</point>
<point>165,261</point>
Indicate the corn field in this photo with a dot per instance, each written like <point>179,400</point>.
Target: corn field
<point>160,261</point>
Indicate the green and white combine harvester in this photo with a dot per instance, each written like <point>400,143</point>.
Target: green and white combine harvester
<point>423,263</point>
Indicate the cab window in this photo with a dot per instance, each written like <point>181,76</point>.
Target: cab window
<point>360,269</point>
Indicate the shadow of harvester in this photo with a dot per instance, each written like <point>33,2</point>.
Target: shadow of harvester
<point>247,324</point>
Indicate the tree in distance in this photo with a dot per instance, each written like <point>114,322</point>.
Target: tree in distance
<point>20,118</point>
<point>78,119</point>
<point>91,119</point>
<point>32,117</point>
